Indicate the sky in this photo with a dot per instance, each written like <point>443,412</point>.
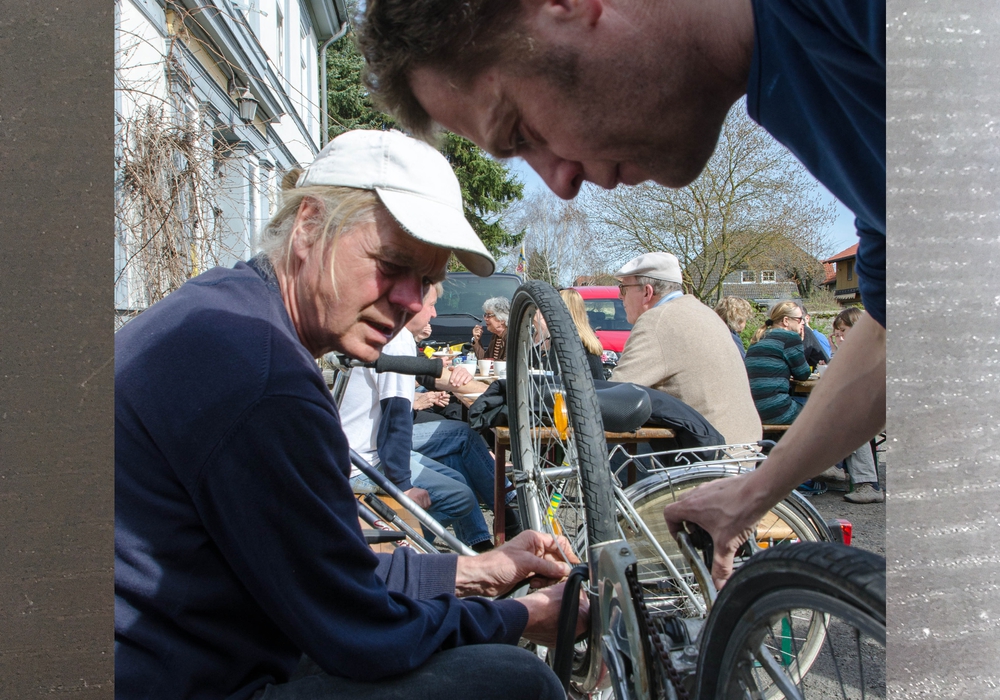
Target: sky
<point>841,232</point>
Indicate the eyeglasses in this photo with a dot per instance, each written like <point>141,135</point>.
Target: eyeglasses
<point>623,287</point>
<point>488,315</point>
<point>795,318</point>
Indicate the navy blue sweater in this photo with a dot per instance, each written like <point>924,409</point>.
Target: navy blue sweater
<point>237,544</point>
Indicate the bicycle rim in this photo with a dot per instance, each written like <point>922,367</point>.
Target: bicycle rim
<point>786,523</point>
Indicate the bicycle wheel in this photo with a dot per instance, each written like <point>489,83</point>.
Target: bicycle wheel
<point>557,438</point>
<point>753,642</point>
<point>558,449</point>
<point>792,520</point>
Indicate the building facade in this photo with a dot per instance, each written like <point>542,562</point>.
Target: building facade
<point>214,100</point>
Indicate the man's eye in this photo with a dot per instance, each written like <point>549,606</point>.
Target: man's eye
<point>388,268</point>
<point>518,140</point>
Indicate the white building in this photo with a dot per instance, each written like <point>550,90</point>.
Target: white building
<point>195,179</point>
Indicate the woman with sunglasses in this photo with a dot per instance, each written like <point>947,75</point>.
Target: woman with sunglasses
<point>774,356</point>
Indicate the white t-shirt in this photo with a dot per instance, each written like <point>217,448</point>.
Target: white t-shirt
<point>360,410</point>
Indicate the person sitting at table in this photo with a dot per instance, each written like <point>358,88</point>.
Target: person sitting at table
<point>775,354</point>
<point>444,466</point>
<point>814,344</point>
<point>592,346</point>
<point>860,464</point>
<point>735,311</point>
<point>681,347</point>
<point>496,313</point>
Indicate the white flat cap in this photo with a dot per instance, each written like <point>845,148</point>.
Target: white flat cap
<point>659,266</point>
<point>414,182</point>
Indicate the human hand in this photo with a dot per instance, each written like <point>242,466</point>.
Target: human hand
<point>419,496</point>
<point>459,377</point>
<point>723,507</point>
<point>477,332</point>
<point>423,400</point>
<point>543,614</point>
<point>542,558</point>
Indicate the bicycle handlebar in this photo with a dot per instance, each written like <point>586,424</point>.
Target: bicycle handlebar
<point>402,364</point>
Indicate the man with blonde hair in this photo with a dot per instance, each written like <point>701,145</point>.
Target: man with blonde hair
<point>237,543</point>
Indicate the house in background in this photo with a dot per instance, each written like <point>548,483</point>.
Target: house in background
<point>844,280</point>
<point>214,100</point>
<point>761,286</point>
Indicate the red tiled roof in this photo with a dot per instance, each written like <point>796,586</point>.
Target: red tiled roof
<point>845,254</point>
<point>831,273</point>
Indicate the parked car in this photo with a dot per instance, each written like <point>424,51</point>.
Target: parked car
<point>606,314</point>
<point>460,308</point>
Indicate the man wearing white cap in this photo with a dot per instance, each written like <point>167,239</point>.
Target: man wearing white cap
<point>681,347</point>
<point>237,544</point>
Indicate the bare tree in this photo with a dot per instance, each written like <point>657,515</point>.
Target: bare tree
<point>752,202</point>
<point>558,237</point>
<point>176,212</point>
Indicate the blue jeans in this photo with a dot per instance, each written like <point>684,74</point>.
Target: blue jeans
<point>478,672</point>
<point>458,448</point>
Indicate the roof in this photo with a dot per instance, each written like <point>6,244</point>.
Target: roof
<point>831,273</point>
<point>845,254</point>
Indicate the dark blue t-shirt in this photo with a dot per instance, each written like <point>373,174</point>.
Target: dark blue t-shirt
<point>237,544</point>
<point>817,84</point>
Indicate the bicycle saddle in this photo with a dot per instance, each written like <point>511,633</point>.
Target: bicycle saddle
<point>624,407</point>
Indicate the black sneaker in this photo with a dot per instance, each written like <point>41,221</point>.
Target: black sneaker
<point>481,547</point>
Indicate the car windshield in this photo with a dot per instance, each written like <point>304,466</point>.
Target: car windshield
<point>465,295</point>
<point>607,315</point>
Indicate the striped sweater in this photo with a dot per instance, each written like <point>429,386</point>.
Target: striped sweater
<point>770,362</point>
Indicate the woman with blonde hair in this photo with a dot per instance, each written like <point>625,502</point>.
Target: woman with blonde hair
<point>776,354</point>
<point>578,312</point>
<point>735,311</point>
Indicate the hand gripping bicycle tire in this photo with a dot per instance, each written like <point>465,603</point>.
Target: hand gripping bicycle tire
<point>841,587</point>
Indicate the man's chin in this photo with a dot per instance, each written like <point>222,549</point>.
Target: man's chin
<point>364,351</point>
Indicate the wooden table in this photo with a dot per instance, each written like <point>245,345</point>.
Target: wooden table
<point>803,387</point>
<point>501,442</point>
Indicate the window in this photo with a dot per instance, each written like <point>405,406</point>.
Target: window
<point>748,277</point>
<point>281,44</point>
<point>850,270</point>
<point>767,276</point>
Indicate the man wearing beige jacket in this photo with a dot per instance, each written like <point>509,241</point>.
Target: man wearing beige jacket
<point>681,347</point>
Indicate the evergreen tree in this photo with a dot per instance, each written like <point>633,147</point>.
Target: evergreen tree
<point>488,186</point>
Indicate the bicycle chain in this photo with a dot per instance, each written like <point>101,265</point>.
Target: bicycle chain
<point>667,663</point>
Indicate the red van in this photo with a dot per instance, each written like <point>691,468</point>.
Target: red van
<point>606,314</point>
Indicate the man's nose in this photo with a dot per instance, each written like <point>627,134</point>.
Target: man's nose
<point>564,177</point>
<point>408,293</point>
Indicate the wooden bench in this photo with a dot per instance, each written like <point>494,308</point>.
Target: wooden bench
<point>773,432</point>
<point>501,442</point>
<point>404,515</point>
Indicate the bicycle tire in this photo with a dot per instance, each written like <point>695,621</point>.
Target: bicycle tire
<point>563,368</point>
<point>831,581</point>
<point>535,374</point>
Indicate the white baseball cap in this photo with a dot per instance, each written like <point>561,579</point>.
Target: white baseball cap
<point>413,180</point>
<point>659,266</point>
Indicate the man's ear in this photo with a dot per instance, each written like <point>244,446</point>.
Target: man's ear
<point>303,233</point>
<point>565,11</point>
